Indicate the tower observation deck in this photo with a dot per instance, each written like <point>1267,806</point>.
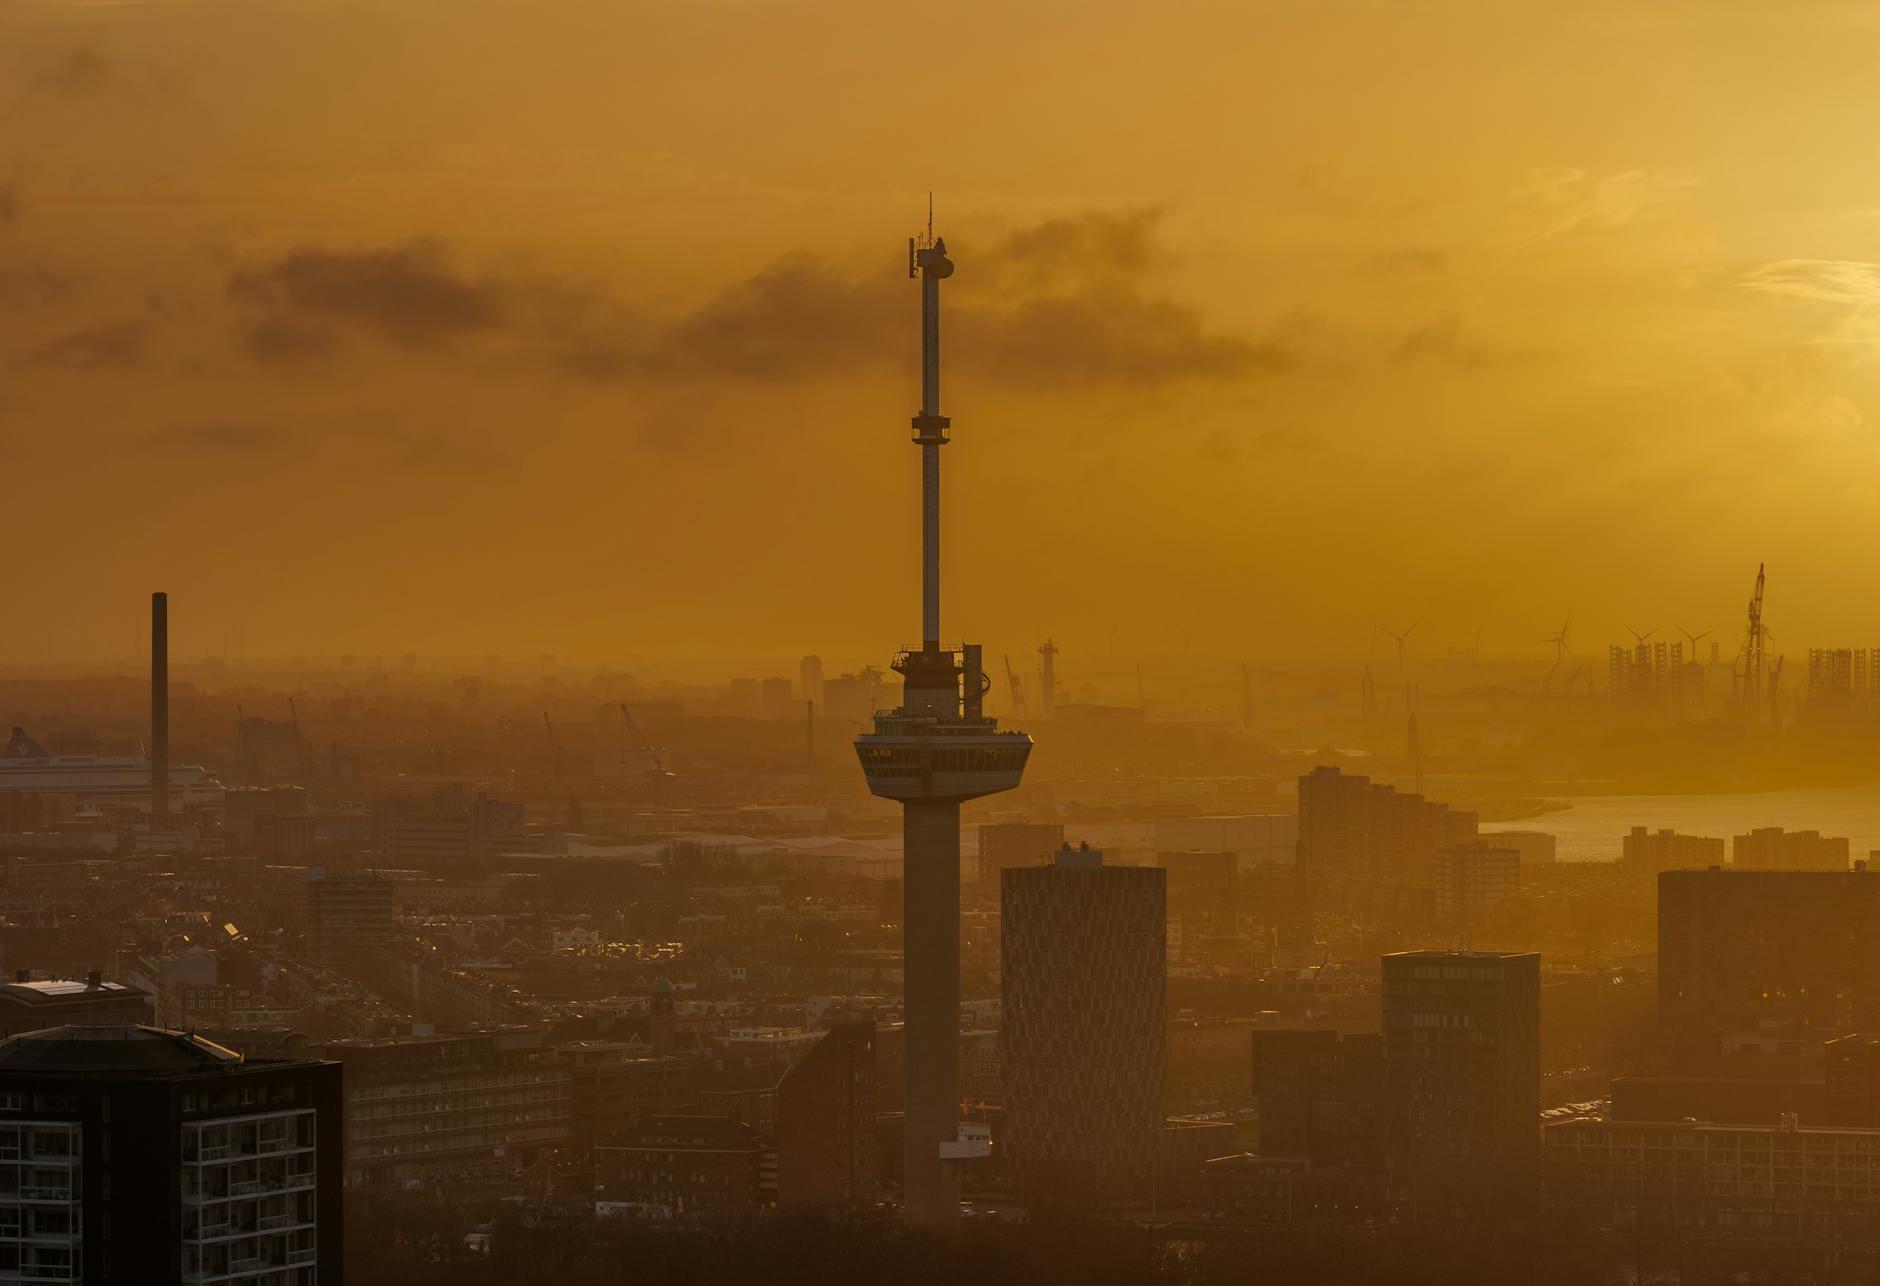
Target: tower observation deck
<point>933,752</point>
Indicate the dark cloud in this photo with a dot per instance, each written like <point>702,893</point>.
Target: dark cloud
<point>1094,246</point>
<point>408,294</point>
<point>797,319</point>
<point>1067,301</point>
<point>109,346</point>
<point>221,438</point>
<point>1063,302</point>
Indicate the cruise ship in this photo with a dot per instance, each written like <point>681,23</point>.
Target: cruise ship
<point>111,780</point>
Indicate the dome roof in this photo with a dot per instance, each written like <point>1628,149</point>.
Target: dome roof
<point>117,1048</point>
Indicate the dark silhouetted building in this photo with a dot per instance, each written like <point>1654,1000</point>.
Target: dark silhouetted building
<point>1084,1035</point>
<point>1785,1184</point>
<point>1462,1054</point>
<point>826,1152</point>
<point>348,917</point>
<point>477,1105</point>
<point>679,1166</point>
<point>1851,1081</point>
<point>1742,950</point>
<point>1321,1095</point>
<point>612,1084</point>
<point>130,1153</point>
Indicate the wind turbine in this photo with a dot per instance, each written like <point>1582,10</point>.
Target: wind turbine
<point>1401,639</point>
<point>1693,638</point>
<point>1561,648</point>
<point>1638,638</point>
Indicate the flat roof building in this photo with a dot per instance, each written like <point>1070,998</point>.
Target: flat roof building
<point>34,1004</point>
<point>1741,950</point>
<point>131,1153</point>
<point>1084,1035</point>
<point>1462,1053</point>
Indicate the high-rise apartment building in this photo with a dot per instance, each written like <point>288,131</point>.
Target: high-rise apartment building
<point>1462,1053</point>
<point>134,1154</point>
<point>1648,852</point>
<point>1355,834</point>
<point>1771,848</point>
<point>1084,969</point>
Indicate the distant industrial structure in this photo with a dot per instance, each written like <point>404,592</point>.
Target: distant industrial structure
<point>933,752</point>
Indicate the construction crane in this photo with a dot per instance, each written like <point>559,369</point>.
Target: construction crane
<point>300,742</point>
<point>1749,662</point>
<point>1017,685</point>
<point>638,739</point>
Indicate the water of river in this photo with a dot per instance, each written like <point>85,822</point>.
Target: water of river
<point>1591,829</point>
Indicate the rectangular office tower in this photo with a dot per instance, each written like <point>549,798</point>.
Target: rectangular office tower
<point>1746,950</point>
<point>1084,1036</point>
<point>1463,1056</point>
<point>133,1154</point>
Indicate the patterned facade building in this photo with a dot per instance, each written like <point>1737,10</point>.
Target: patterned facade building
<point>1084,957</point>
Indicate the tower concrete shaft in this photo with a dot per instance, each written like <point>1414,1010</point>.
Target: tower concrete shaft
<point>159,709</point>
<point>931,753</point>
<point>930,833</point>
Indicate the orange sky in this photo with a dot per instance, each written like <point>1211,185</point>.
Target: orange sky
<point>580,325</point>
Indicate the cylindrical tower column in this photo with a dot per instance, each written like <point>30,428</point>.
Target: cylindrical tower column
<point>159,708</point>
<point>930,830</point>
<point>930,546</point>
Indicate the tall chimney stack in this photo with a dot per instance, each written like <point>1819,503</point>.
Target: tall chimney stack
<point>159,708</point>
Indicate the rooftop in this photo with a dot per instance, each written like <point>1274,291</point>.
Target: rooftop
<point>58,991</point>
<point>149,1051</point>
